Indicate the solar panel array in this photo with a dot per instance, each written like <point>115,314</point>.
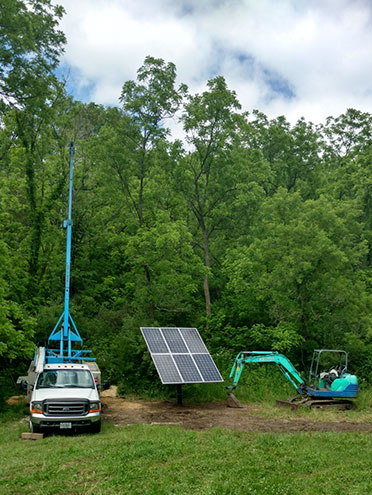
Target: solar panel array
<point>180,356</point>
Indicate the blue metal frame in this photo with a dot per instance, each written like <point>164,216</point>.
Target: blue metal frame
<point>350,392</point>
<point>67,333</point>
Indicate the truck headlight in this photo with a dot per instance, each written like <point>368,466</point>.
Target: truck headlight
<point>94,407</point>
<point>37,407</point>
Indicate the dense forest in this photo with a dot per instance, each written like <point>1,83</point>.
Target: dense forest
<point>256,231</point>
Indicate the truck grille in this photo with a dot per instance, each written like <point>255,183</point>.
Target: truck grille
<point>66,408</point>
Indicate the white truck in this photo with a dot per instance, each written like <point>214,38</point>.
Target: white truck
<point>63,396</point>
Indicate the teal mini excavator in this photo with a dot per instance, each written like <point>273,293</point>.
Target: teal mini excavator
<point>325,388</point>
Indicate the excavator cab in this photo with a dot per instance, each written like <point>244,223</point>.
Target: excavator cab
<point>327,365</point>
<point>328,375</point>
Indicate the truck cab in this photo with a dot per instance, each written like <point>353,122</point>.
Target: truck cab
<point>65,397</point>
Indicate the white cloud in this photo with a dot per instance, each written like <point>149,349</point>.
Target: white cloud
<point>319,50</point>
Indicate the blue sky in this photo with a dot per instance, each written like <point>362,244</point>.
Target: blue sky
<point>310,58</point>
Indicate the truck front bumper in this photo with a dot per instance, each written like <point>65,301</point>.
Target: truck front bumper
<point>66,422</point>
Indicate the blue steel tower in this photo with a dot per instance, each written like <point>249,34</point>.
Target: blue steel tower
<point>67,333</point>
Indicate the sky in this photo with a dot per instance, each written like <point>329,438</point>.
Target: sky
<point>297,58</point>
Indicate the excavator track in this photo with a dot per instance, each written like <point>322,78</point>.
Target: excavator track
<point>340,404</point>
<point>295,403</point>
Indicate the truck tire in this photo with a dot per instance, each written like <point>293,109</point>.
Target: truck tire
<point>96,427</point>
<point>34,428</point>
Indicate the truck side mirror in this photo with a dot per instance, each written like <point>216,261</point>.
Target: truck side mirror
<point>24,385</point>
<point>105,385</point>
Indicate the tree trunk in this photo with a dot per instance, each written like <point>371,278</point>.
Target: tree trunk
<point>207,295</point>
<point>148,283</point>
<point>36,221</point>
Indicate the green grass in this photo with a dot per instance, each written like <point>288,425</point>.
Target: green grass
<point>163,460</point>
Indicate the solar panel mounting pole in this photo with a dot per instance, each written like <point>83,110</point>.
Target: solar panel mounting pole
<point>179,394</point>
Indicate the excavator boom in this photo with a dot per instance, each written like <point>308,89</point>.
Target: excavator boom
<point>283,363</point>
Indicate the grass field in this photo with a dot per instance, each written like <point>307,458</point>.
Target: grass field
<point>165,460</point>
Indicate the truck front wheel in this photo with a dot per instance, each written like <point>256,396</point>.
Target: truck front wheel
<point>34,428</point>
<point>96,427</point>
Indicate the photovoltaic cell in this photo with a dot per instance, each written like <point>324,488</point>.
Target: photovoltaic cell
<point>166,368</point>
<point>154,340</point>
<point>180,355</point>
<point>193,340</point>
<point>174,340</point>
<point>187,368</point>
<point>207,368</point>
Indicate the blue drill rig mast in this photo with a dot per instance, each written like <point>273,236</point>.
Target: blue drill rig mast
<point>65,331</point>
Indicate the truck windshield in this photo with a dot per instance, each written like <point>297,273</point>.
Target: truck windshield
<point>65,379</point>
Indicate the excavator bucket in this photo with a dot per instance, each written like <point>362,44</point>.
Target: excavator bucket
<point>232,401</point>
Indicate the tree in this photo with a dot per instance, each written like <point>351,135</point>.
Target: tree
<point>207,176</point>
<point>32,97</point>
<point>16,326</point>
<point>30,46</point>
<point>292,153</point>
<point>346,135</point>
<point>138,158</point>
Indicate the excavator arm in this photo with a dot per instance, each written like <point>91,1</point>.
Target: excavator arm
<point>283,363</point>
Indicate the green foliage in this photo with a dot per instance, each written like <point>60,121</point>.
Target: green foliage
<point>16,331</point>
<point>154,98</point>
<point>29,49</point>
<point>282,338</point>
<point>301,267</point>
<point>16,326</point>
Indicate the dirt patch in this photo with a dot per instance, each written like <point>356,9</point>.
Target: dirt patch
<point>16,400</point>
<point>204,416</point>
<point>110,392</point>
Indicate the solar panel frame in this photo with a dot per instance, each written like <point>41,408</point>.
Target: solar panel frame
<point>183,367</point>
